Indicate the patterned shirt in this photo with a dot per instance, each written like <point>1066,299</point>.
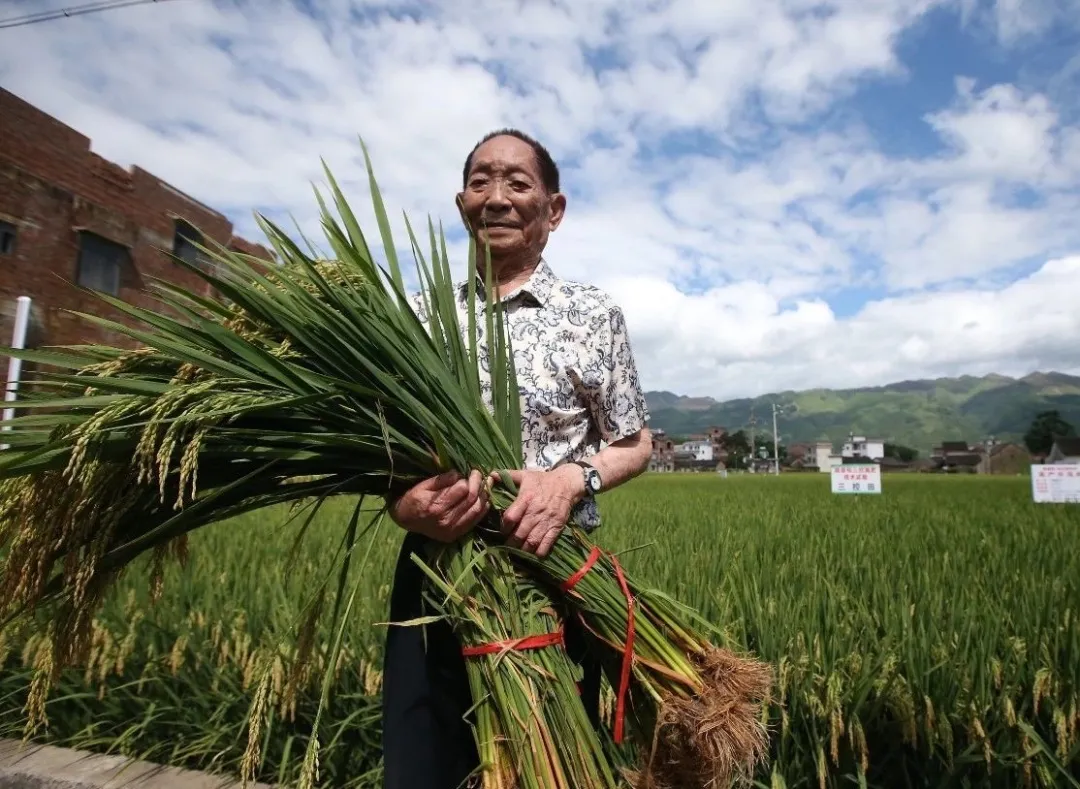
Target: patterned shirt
<point>575,369</point>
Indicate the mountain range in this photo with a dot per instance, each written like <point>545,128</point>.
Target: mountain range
<point>919,414</point>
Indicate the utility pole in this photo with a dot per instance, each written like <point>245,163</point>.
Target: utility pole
<point>775,444</point>
<point>753,446</point>
<point>781,410</point>
<point>990,444</point>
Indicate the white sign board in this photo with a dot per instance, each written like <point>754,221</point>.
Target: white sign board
<point>1056,483</point>
<point>865,478</point>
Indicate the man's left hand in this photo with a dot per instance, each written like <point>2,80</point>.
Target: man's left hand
<point>537,517</point>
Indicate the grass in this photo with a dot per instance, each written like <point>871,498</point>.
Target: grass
<point>925,637</point>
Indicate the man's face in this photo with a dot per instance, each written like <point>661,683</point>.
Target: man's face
<point>505,202</point>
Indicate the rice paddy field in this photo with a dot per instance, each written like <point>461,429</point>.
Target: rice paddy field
<point>927,637</point>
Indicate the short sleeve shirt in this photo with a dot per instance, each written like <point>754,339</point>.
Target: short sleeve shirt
<point>575,368</point>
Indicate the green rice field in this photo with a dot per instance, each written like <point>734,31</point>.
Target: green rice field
<point>927,637</point>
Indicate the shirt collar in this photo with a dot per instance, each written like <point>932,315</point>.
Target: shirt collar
<point>539,286</point>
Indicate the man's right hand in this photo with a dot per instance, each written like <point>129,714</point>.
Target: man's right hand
<point>442,508</point>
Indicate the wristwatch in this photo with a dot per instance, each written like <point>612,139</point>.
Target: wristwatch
<point>593,483</point>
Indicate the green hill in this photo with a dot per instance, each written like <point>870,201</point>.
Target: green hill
<point>918,414</point>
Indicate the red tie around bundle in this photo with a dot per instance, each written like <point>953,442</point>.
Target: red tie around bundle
<point>515,644</point>
<point>572,581</point>
<point>628,649</point>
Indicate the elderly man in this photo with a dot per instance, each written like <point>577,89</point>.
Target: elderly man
<point>579,388</point>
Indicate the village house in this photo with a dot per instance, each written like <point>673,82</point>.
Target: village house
<point>688,459</point>
<point>1066,450</point>
<point>799,452</point>
<point>863,448</point>
<point>894,464</point>
<point>953,457</point>
<point>699,452</point>
<point>663,452</point>
<point>70,219</point>
<point>822,456</point>
<point>801,456</point>
<point>958,457</point>
<point>698,449</point>
<point>1007,458</point>
<point>717,436</point>
<point>824,459</point>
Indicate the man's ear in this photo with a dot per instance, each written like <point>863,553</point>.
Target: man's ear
<point>556,210</point>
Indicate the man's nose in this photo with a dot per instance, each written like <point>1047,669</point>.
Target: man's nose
<point>497,197</point>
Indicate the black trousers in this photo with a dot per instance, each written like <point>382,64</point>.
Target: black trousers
<point>427,739</point>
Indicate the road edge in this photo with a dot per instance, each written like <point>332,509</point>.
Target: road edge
<point>35,766</point>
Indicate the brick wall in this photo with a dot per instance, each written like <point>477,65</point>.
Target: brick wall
<point>53,189</point>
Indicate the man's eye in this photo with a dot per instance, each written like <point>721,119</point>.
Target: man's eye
<point>519,185</point>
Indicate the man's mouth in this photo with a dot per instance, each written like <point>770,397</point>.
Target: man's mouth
<point>506,225</point>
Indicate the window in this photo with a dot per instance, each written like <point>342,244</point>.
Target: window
<point>100,263</point>
<point>7,238</point>
<point>184,242</point>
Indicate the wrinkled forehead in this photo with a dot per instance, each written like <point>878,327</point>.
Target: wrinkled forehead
<point>503,155</point>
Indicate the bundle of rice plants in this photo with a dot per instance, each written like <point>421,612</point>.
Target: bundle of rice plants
<point>315,378</point>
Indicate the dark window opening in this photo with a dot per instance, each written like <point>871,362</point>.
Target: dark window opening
<point>7,238</point>
<point>185,241</point>
<point>100,263</point>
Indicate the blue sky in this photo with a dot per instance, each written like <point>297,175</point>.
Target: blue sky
<point>779,193</point>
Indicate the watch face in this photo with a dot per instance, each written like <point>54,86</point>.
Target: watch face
<point>594,479</point>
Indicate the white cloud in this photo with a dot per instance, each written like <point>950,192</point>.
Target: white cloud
<point>999,134</point>
<point>1017,20</point>
<point>719,182</point>
<point>736,340</point>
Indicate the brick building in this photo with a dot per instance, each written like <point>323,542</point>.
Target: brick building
<point>663,452</point>
<point>69,218</point>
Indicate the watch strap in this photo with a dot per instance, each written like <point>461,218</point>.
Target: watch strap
<point>589,470</point>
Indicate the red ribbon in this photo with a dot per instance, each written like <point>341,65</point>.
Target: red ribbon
<point>516,644</point>
<point>572,581</point>
<point>628,649</point>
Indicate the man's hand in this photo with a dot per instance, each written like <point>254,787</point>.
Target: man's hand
<point>442,508</point>
<point>537,517</point>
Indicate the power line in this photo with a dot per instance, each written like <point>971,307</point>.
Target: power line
<point>79,10</point>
